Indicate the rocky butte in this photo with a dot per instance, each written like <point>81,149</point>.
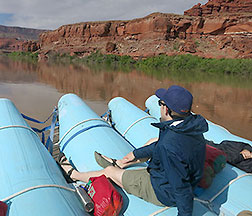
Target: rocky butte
<point>19,39</point>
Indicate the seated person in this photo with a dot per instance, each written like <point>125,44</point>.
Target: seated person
<point>238,154</point>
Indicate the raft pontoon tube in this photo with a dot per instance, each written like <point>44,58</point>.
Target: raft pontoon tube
<point>82,132</point>
<point>26,163</point>
<point>132,123</point>
<point>233,199</point>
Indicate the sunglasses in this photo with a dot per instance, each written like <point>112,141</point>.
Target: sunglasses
<point>160,103</point>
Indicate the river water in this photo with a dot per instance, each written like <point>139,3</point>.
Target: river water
<point>36,88</point>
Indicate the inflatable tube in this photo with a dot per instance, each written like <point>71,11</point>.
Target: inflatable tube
<point>26,163</point>
<point>129,119</point>
<point>237,196</point>
<point>82,131</point>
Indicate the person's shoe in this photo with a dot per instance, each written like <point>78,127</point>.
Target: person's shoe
<point>66,174</point>
<point>65,167</point>
<point>61,158</point>
<point>104,162</point>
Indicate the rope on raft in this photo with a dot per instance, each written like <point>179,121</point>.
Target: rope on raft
<point>19,126</point>
<point>79,123</point>
<point>145,117</point>
<point>36,187</point>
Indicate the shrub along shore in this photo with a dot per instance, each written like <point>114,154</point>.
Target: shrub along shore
<point>26,56</point>
<point>181,67</point>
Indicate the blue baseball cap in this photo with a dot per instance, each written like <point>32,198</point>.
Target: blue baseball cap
<point>176,98</point>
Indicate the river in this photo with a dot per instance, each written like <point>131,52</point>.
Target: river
<point>36,88</point>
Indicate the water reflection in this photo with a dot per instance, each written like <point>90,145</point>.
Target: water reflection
<point>227,105</point>
<point>17,71</point>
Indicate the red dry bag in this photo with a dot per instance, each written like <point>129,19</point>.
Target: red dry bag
<point>107,200</point>
<point>216,158</point>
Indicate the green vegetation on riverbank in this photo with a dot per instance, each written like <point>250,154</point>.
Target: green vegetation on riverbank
<point>181,68</point>
<point>164,65</point>
<point>26,56</point>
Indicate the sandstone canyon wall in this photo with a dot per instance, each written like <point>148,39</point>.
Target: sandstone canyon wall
<point>218,29</point>
<point>221,7</point>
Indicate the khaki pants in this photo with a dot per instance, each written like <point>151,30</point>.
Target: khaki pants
<point>245,213</point>
<point>138,183</point>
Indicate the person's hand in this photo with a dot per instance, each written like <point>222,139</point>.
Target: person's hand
<point>128,158</point>
<point>246,154</point>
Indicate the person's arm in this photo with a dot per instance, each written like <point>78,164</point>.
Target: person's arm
<point>247,147</point>
<point>131,159</point>
<point>234,158</point>
<point>246,154</point>
<point>145,151</point>
<point>177,174</point>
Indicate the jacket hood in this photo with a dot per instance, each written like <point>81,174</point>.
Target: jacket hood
<point>191,125</point>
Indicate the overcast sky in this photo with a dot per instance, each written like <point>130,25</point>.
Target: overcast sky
<point>51,14</point>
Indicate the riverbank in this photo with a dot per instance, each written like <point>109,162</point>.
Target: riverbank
<point>180,67</point>
<point>173,63</point>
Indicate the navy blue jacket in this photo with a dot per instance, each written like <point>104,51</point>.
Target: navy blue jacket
<point>177,161</point>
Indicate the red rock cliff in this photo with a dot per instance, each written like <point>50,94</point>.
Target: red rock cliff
<point>220,7</point>
<point>200,32</point>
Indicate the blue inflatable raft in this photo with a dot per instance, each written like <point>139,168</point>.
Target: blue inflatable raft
<point>30,180</point>
<point>32,184</point>
<point>82,132</point>
<point>230,192</point>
